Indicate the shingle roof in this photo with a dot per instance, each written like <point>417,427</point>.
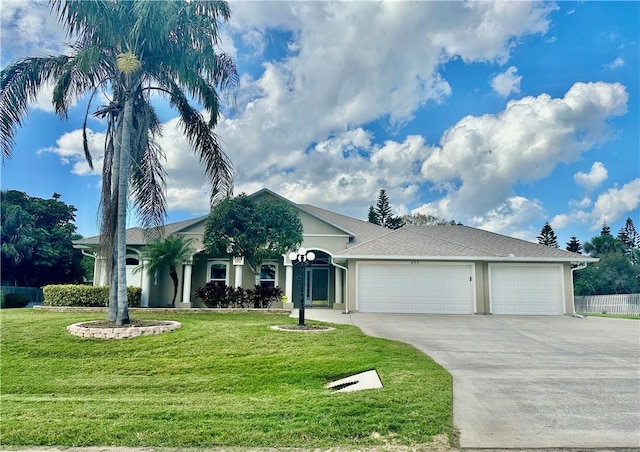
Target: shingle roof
<point>455,242</point>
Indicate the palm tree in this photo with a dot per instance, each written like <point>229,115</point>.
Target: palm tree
<point>132,49</point>
<point>170,253</point>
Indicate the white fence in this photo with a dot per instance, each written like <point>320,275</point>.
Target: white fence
<point>624,304</point>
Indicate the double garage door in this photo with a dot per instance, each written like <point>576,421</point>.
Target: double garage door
<point>449,288</point>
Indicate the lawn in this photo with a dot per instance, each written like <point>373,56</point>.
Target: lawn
<point>220,380</point>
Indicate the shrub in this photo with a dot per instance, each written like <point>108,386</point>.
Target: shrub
<point>264,297</point>
<point>85,296</point>
<point>215,295</point>
<point>14,300</point>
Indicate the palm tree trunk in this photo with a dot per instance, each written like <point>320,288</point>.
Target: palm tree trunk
<point>174,277</point>
<point>121,228</point>
<point>112,232</point>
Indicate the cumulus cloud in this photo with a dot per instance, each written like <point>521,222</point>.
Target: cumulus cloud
<point>615,203</point>
<point>507,82</point>
<point>71,152</point>
<point>593,178</point>
<point>487,155</point>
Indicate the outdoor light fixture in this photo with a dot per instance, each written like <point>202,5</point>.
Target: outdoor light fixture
<point>302,258</point>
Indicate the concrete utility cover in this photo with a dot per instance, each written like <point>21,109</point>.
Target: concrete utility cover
<point>357,382</point>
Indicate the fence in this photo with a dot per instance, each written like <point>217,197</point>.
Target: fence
<point>624,304</point>
<point>34,293</point>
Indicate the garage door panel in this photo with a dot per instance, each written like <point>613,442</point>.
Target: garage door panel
<point>423,288</point>
<point>526,289</point>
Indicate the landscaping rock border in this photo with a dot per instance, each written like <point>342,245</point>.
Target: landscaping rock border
<point>85,330</point>
<point>303,329</point>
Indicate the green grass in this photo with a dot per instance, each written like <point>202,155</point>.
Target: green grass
<point>613,316</point>
<point>220,380</point>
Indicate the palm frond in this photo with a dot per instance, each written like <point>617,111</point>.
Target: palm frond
<point>20,83</point>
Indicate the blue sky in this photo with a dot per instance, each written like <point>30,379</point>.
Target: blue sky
<point>498,115</point>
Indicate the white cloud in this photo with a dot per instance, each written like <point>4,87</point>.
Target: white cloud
<point>484,157</point>
<point>616,203</point>
<point>593,178</point>
<point>507,82</point>
<point>615,64</point>
<point>70,150</point>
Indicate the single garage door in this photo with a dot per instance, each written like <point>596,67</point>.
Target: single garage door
<point>420,287</point>
<point>533,289</point>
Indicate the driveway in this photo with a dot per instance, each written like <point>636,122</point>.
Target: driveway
<point>528,382</point>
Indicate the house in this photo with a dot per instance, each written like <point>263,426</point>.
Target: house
<point>359,266</point>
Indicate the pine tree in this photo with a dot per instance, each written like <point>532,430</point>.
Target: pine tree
<point>372,216</point>
<point>629,236</point>
<point>381,214</point>
<point>574,245</point>
<point>606,230</point>
<point>547,236</point>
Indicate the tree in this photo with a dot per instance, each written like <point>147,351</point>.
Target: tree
<point>574,245</point>
<point>381,214</point>
<point>256,230</point>
<point>604,244</point>
<point>606,230</point>
<point>169,253</point>
<point>131,49</point>
<point>629,236</point>
<point>547,236</point>
<point>613,274</point>
<point>418,219</point>
<point>37,237</point>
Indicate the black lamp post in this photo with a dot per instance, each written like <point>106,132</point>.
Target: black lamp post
<point>302,259</point>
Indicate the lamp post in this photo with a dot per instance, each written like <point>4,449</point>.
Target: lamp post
<point>302,259</point>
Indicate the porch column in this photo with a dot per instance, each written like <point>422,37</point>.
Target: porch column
<point>288,282</point>
<point>338,275</point>
<point>186,284</point>
<point>146,284</point>
<point>238,263</point>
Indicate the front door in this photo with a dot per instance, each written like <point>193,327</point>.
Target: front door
<point>316,292</point>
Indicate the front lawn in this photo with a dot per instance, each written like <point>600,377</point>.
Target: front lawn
<point>220,380</point>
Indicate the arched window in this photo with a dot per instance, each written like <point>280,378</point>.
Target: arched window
<point>132,261</point>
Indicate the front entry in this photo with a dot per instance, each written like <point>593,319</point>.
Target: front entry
<point>316,283</point>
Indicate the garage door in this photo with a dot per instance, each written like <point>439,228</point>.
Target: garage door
<point>533,289</point>
<point>420,287</point>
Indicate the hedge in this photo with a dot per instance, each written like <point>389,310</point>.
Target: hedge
<point>14,300</point>
<point>87,296</point>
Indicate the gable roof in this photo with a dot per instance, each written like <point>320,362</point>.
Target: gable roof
<point>453,242</point>
<point>370,241</point>
<point>136,236</point>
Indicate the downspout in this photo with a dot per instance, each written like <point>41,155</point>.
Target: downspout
<point>573,294</point>
<point>346,281</point>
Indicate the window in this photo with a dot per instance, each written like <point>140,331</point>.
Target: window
<point>132,261</point>
<point>218,272</point>
<point>268,274</point>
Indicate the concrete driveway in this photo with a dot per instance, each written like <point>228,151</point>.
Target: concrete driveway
<point>528,382</point>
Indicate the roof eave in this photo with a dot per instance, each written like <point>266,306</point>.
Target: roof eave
<point>513,259</point>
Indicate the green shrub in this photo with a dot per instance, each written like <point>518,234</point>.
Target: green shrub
<point>85,296</point>
<point>215,295</point>
<point>14,300</point>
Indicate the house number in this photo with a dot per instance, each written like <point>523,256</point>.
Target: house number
<point>415,262</point>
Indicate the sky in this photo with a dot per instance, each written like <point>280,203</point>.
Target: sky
<point>502,116</point>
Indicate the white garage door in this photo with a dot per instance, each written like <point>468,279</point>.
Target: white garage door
<point>534,289</point>
<point>422,288</point>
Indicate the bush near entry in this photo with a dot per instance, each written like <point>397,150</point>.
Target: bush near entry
<point>216,295</point>
<point>85,296</point>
